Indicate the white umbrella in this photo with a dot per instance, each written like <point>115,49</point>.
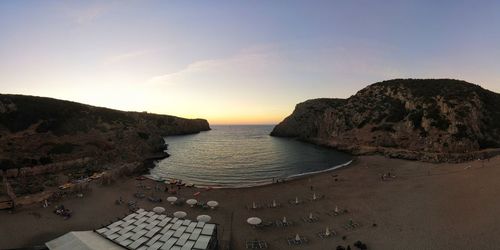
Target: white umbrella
<point>254,221</point>
<point>327,231</point>
<point>253,205</point>
<point>274,203</point>
<point>284,219</point>
<point>296,200</point>
<point>159,210</point>
<point>311,216</point>
<point>180,214</point>
<point>314,196</point>
<point>171,199</point>
<point>297,237</point>
<point>336,209</point>
<point>191,202</point>
<point>203,218</point>
<point>212,204</point>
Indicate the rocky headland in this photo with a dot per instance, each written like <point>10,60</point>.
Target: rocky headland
<point>45,142</point>
<point>435,120</point>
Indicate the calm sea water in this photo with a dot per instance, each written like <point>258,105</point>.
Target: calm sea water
<point>241,156</point>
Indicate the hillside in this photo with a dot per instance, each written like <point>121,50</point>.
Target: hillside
<point>38,131</point>
<point>421,119</point>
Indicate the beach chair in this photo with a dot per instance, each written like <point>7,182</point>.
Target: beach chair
<point>351,226</point>
<point>256,244</point>
<point>322,235</point>
<point>154,199</point>
<point>281,224</point>
<point>310,220</point>
<point>292,241</point>
<point>294,202</point>
<point>273,205</point>
<point>139,195</point>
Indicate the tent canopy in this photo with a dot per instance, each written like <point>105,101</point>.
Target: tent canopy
<point>82,240</point>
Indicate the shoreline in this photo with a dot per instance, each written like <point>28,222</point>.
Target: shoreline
<point>256,184</point>
<point>414,210</point>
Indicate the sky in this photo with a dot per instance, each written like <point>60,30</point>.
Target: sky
<point>239,62</point>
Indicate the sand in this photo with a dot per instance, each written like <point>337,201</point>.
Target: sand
<point>426,206</point>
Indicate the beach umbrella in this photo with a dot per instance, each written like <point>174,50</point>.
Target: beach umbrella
<point>253,205</point>
<point>171,199</point>
<point>314,196</point>
<point>274,203</point>
<point>296,200</point>
<point>191,202</point>
<point>212,204</point>
<point>297,237</point>
<point>159,210</point>
<point>284,219</point>
<point>311,216</point>
<point>203,218</point>
<point>254,221</point>
<point>336,209</point>
<point>180,214</point>
<point>327,231</point>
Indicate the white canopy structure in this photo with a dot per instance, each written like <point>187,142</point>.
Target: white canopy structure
<point>180,214</point>
<point>84,240</point>
<point>159,210</point>
<point>212,204</point>
<point>203,218</point>
<point>191,202</point>
<point>254,221</point>
<point>148,230</point>
<point>171,199</point>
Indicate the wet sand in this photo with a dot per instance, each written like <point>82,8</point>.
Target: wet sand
<point>426,206</point>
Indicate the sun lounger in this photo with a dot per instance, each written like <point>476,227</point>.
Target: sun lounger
<point>280,223</point>
<point>294,202</point>
<point>251,207</point>
<point>322,235</point>
<point>264,224</point>
<point>310,220</point>
<point>256,244</point>
<point>351,226</point>
<point>318,197</point>
<point>139,195</point>
<point>154,199</point>
<point>292,241</point>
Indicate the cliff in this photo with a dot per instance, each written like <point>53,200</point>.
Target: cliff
<point>38,131</point>
<point>433,120</point>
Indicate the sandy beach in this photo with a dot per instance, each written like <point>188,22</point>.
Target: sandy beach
<point>425,206</point>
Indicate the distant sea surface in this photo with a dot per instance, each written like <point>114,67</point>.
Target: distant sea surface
<point>237,156</point>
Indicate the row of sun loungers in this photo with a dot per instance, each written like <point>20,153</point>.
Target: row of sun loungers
<point>293,241</point>
<point>256,244</point>
<point>351,226</point>
<point>314,219</point>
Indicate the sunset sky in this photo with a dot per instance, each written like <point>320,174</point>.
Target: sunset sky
<point>238,62</point>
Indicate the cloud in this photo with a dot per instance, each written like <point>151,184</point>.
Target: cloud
<point>87,14</point>
<point>242,64</point>
<point>126,56</point>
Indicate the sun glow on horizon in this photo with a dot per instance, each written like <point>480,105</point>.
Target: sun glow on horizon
<point>245,63</point>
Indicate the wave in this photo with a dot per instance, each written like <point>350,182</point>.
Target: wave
<point>255,184</point>
<point>291,177</point>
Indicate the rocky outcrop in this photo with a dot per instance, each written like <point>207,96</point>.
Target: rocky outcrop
<point>37,131</point>
<point>434,120</point>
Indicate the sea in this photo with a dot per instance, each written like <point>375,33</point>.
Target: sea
<point>242,156</point>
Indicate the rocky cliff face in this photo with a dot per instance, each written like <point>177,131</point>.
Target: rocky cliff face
<point>431,120</point>
<point>36,131</point>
